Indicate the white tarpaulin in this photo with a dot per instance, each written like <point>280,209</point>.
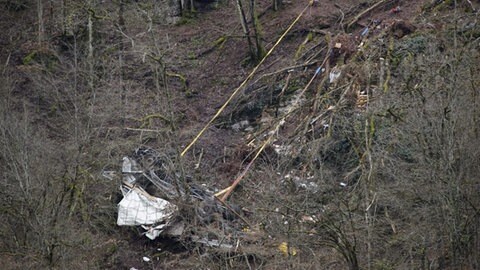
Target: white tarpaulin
<point>139,208</point>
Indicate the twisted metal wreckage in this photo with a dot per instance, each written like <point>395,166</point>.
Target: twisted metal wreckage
<point>144,174</point>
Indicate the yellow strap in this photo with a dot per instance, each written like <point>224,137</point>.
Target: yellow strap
<point>243,83</point>
<point>272,133</point>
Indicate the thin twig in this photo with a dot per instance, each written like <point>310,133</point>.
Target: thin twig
<point>142,129</point>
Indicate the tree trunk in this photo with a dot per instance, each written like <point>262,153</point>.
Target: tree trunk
<point>41,27</point>
<point>246,29</point>
<point>260,51</point>
<point>91,61</point>
<point>276,4</point>
<point>64,17</point>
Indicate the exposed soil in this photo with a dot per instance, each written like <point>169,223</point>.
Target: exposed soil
<point>206,58</point>
<point>213,76</point>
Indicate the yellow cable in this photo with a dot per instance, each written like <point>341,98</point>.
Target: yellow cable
<point>243,83</point>
<point>230,189</point>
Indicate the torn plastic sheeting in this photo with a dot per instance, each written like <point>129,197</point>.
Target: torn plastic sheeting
<point>138,209</point>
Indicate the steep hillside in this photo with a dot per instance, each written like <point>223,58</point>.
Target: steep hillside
<point>351,128</point>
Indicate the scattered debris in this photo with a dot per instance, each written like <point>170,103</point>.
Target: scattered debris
<point>395,10</point>
<point>365,31</point>
<point>284,150</point>
<point>319,70</point>
<point>343,46</point>
<point>242,125</point>
<point>362,99</point>
<point>138,207</point>
<point>307,185</point>
<point>286,250</point>
<point>301,183</point>
<point>334,75</point>
<point>212,243</point>
<point>308,219</point>
<point>149,193</point>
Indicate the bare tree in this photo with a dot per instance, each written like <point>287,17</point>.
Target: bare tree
<point>256,52</point>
